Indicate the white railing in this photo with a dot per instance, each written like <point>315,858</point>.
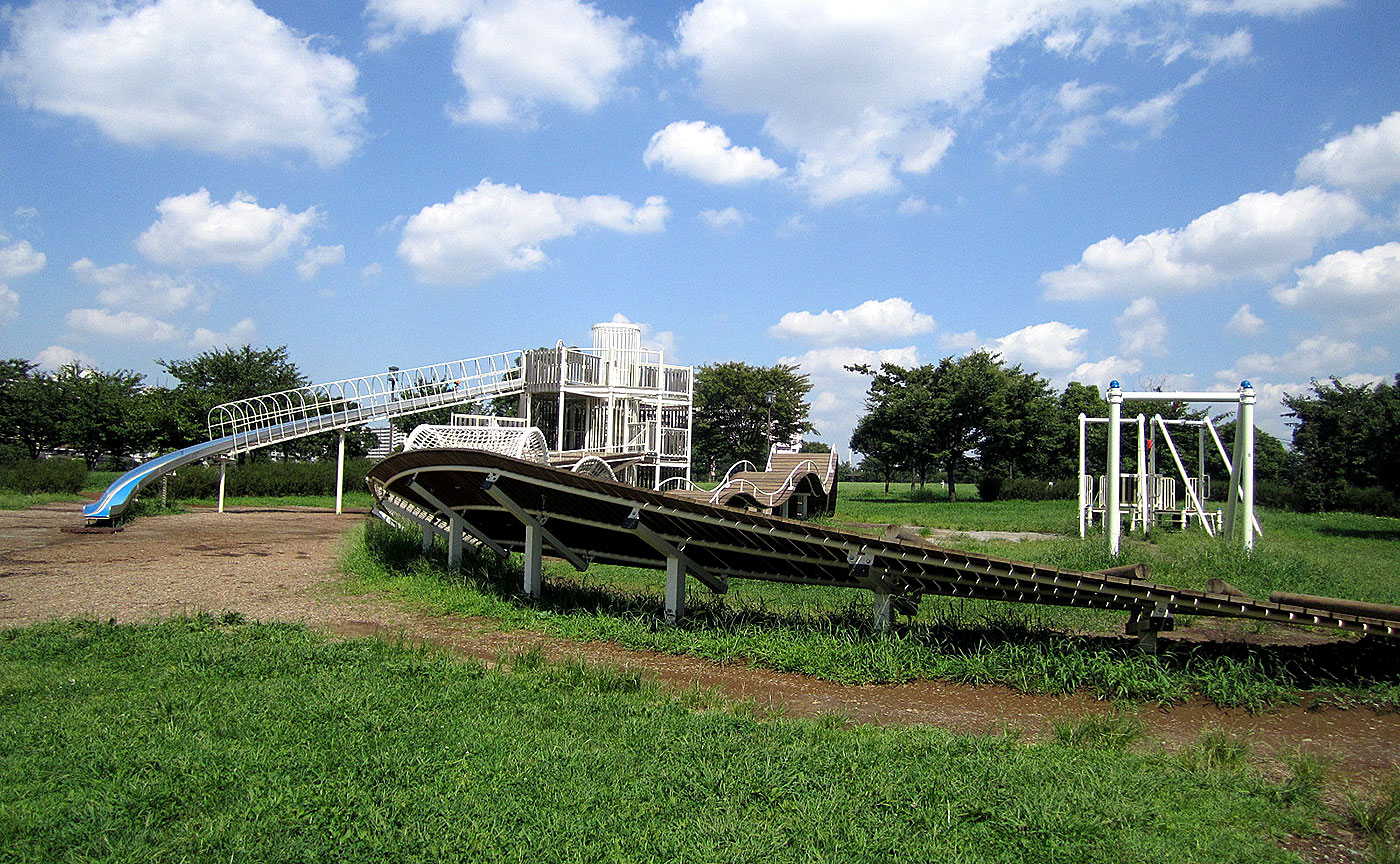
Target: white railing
<point>488,420</point>
<point>276,417</point>
<point>522,443</point>
<point>740,484</point>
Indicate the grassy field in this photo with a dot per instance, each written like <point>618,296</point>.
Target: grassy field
<point>210,739</point>
<point>825,632</point>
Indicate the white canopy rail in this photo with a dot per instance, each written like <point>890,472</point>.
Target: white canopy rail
<point>276,417</point>
<point>526,443</point>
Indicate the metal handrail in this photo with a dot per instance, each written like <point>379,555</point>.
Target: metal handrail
<point>772,497</point>
<point>661,487</point>
<point>276,417</point>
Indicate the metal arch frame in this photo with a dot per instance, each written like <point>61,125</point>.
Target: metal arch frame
<point>526,443</point>
<point>593,463</point>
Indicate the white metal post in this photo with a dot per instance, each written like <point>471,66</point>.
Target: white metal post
<point>223,466</point>
<point>1112,520</point>
<point>1143,511</point>
<point>340,473</point>
<point>534,563</point>
<point>884,607</point>
<point>675,589</point>
<point>1244,430</point>
<point>454,542</point>
<point>1083,513</point>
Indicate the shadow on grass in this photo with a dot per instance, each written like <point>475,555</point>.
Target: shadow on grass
<point>991,639</point>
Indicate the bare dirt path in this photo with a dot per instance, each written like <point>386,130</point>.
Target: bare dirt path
<point>280,564</point>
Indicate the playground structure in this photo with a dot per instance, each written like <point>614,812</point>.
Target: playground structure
<point>617,401</point>
<point>1149,497</point>
<point>792,484</point>
<point>509,505</point>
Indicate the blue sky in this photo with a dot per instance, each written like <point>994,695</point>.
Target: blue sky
<point>1179,193</point>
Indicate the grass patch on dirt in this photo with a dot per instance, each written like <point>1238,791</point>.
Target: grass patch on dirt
<point>826,633</point>
<point>213,739</point>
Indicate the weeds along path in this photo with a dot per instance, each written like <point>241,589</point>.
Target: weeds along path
<point>281,564</point>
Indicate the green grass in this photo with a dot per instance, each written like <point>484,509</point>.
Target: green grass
<point>211,739</point>
<point>869,503</point>
<point>351,500</point>
<point>25,500</point>
<point>826,633</point>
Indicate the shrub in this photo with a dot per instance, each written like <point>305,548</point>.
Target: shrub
<point>43,475</point>
<point>267,479</point>
<point>993,488</point>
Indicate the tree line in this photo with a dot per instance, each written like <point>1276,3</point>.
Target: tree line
<point>963,419</point>
<point>111,418</point>
<point>977,419</point>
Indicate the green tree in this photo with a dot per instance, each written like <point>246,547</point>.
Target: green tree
<point>894,434</point>
<point>30,408</point>
<point>101,415</point>
<point>1079,399</point>
<point>1344,436</point>
<point>740,409</point>
<point>222,375</point>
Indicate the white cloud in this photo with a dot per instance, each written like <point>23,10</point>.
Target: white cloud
<point>1142,329</point>
<point>120,326</point>
<point>312,260</point>
<point>1050,346</point>
<point>219,76</point>
<point>1275,8</point>
<point>912,206</point>
<point>9,305</point>
<point>698,150</point>
<point>495,228</point>
<point>242,333</point>
<point>55,357</point>
<point>1103,371</point>
<point>1318,356</point>
<point>838,396</point>
<point>124,286</point>
<point>958,342</point>
<point>850,90</point>
<point>1258,236</point>
<point>515,55</point>
<point>1366,159</point>
<point>193,231</point>
<point>871,321</point>
<point>392,20</point>
<point>1245,323</point>
<point>19,259</point>
<point>729,217</point>
<point>1361,287</point>
<point>372,271</point>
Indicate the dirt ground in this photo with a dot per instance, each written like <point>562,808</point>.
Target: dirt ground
<point>280,564</point>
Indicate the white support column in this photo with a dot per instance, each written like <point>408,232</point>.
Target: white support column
<point>1144,508</point>
<point>534,561</point>
<point>1185,478</point>
<point>675,590</point>
<point>1083,502</point>
<point>223,466</point>
<point>1233,499</point>
<point>340,473</point>
<point>1244,431</point>
<point>1113,523</point>
<point>428,535</point>
<point>884,607</point>
<point>454,541</point>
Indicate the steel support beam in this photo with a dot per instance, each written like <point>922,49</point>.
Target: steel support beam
<point>716,583</point>
<point>340,473</point>
<point>459,524</point>
<point>675,589</point>
<point>532,523</point>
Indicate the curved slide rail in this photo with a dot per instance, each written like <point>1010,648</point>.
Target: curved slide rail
<point>238,427</point>
<point>771,489</point>
<point>514,506</point>
<point>124,488</point>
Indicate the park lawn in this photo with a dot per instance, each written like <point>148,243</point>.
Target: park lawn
<point>212,739</point>
<point>826,632</point>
